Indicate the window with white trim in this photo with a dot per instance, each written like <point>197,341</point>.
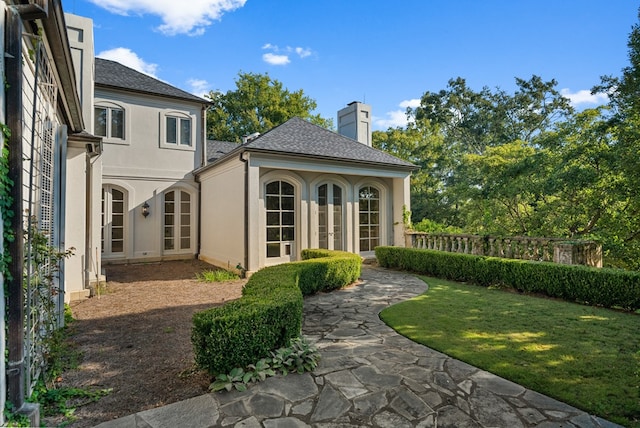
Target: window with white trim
<point>178,131</point>
<point>109,122</point>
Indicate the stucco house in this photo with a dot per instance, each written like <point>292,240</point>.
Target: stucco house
<point>301,186</point>
<point>153,134</point>
<point>166,193</point>
<point>115,164</point>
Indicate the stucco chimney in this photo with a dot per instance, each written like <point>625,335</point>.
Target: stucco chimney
<point>354,121</point>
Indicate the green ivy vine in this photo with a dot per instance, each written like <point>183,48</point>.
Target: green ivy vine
<point>6,201</point>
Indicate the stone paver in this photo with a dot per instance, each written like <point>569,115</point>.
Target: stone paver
<point>370,376</point>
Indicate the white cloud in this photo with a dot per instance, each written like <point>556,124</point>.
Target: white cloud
<point>396,118</point>
<point>199,87</point>
<point>584,97</point>
<point>129,58</point>
<point>281,56</point>
<point>393,119</point>
<point>274,59</point>
<point>190,17</point>
<point>413,103</point>
<point>302,52</point>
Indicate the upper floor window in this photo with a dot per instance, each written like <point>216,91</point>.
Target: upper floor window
<point>178,131</point>
<point>109,122</point>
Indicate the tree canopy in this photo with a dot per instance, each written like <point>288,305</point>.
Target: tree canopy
<point>525,163</point>
<point>258,104</point>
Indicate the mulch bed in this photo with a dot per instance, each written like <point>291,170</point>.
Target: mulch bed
<point>135,338</point>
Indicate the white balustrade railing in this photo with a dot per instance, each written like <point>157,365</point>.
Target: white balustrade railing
<point>556,250</point>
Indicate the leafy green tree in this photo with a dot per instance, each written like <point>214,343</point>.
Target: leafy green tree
<point>624,122</point>
<point>487,135</point>
<point>501,187</point>
<point>423,146</point>
<point>258,104</point>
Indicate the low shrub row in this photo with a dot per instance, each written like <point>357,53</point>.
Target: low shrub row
<point>593,286</point>
<point>269,313</point>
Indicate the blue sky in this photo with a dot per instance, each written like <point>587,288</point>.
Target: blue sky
<point>384,53</point>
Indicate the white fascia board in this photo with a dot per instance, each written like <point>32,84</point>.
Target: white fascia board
<point>322,166</point>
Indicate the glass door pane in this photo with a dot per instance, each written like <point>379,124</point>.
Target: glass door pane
<point>337,218</point>
<point>369,218</point>
<point>280,220</point>
<point>323,230</point>
<point>330,217</point>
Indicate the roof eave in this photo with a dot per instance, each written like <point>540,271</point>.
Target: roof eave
<point>155,94</point>
<point>55,29</point>
<point>337,159</point>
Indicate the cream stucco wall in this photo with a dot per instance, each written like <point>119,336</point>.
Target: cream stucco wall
<point>223,215</point>
<point>141,152</point>
<point>223,205</point>
<point>75,219</point>
<point>143,167</point>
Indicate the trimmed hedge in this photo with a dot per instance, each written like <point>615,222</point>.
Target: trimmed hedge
<point>269,313</point>
<point>592,286</point>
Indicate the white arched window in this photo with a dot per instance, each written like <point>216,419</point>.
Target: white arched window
<point>177,130</point>
<point>280,219</point>
<point>109,121</point>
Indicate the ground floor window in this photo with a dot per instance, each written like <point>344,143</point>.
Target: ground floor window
<point>113,220</point>
<point>177,220</point>
<point>280,227</point>
<point>369,218</point>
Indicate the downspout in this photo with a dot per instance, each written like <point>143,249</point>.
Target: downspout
<point>93,151</point>
<point>203,162</point>
<point>246,210</point>
<point>199,222</point>
<point>87,223</point>
<point>15,295</point>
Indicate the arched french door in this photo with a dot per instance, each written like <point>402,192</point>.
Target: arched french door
<point>177,221</point>
<point>330,217</point>
<point>280,221</point>
<point>114,211</point>
<point>369,218</point>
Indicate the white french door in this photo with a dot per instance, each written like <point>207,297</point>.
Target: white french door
<point>330,217</point>
<point>114,209</point>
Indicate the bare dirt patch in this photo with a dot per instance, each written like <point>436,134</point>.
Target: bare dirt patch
<point>135,338</point>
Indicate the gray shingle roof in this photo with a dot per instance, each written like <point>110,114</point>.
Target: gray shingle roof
<point>115,75</point>
<point>216,149</point>
<point>298,136</point>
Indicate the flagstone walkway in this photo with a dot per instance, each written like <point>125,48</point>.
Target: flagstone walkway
<point>370,376</point>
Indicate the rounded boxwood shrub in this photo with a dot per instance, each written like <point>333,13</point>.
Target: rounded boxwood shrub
<point>269,313</point>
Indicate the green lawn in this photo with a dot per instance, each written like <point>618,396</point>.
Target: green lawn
<point>587,357</point>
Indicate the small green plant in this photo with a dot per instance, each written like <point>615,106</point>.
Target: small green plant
<point>299,357</point>
<point>61,356</point>
<point>218,275</point>
<point>64,401</point>
<point>14,419</point>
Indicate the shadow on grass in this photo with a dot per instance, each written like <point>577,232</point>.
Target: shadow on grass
<point>585,356</point>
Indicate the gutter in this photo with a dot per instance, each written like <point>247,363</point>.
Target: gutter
<point>245,159</point>
<point>56,31</point>
<point>242,148</point>
<point>14,291</point>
